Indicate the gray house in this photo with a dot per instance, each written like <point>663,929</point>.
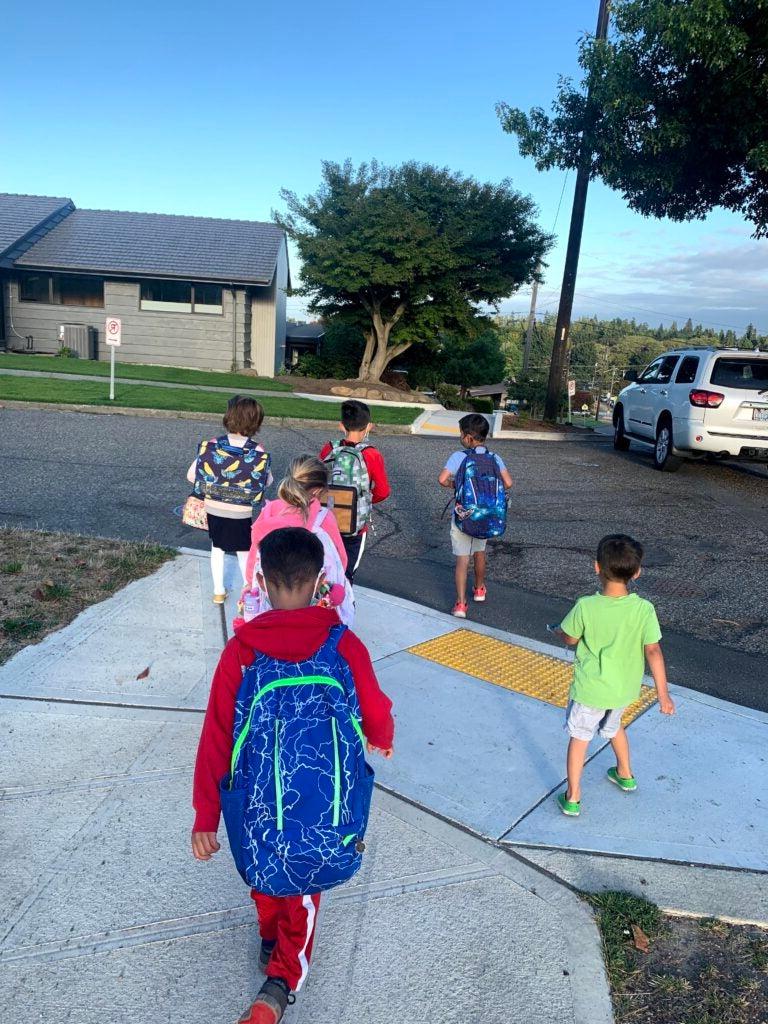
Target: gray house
<point>190,291</point>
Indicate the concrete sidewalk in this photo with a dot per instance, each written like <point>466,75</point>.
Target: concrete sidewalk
<point>106,915</point>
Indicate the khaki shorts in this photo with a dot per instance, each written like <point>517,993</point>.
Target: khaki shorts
<point>463,545</point>
<point>582,722</point>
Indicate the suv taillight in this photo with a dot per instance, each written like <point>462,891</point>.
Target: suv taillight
<point>706,399</point>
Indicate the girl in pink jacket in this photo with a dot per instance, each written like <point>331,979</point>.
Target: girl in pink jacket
<point>298,504</point>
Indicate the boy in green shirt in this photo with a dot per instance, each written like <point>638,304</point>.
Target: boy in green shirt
<point>614,633</point>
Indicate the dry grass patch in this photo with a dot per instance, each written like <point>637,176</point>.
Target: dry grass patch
<point>673,970</point>
<point>46,579</point>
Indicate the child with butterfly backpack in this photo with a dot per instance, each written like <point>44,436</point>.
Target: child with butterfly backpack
<point>231,473</point>
<point>479,480</point>
<point>358,467</point>
<point>298,504</point>
<point>294,706</point>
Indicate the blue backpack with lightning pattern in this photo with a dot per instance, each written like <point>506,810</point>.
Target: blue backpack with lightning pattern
<point>481,499</point>
<point>298,794</point>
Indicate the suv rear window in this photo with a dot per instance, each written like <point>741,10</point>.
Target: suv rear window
<point>747,374</point>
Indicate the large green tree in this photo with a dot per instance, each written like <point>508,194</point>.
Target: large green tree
<point>409,252</point>
<point>470,364</point>
<point>677,112</point>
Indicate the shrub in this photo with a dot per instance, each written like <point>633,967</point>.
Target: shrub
<point>484,405</point>
<point>450,397</point>
<point>66,353</point>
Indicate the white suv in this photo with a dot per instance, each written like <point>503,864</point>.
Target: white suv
<point>697,402</point>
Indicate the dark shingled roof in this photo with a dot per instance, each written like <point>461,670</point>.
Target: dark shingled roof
<point>310,331</point>
<point>20,215</point>
<point>160,245</point>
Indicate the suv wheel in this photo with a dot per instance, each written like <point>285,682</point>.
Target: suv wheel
<point>663,457</point>
<point>620,440</point>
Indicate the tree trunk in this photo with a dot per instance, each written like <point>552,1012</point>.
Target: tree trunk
<point>378,354</point>
<point>370,346</point>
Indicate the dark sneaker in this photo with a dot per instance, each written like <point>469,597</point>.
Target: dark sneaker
<point>270,1004</point>
<point>265,953</point>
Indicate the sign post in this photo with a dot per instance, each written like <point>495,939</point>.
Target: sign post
<point>571,393</point>
<point>114,328</point>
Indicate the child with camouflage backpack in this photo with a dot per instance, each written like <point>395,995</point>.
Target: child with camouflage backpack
<point>356,465</point>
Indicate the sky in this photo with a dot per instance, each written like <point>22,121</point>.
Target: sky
<point>185,108</point>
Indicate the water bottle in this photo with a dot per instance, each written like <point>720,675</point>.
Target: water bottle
<point>251,604</point>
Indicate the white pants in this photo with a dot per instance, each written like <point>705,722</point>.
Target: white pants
<point>217,568</point>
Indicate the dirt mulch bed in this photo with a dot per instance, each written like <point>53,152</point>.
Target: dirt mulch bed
<point>46,579</point>
<point>679,970</point>
<point>516,423</point>
<point>354,389</point>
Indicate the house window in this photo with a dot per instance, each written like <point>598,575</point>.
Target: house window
<point>166,296</point>
<point>206,298</point>
<point>34,288</point>
<point>62,290</point>
<point>77,291</point>
<point>181,297</point>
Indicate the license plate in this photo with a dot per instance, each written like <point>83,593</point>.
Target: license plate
<point>760,414</point>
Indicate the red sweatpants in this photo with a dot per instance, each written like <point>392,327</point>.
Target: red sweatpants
<point>290,921</point>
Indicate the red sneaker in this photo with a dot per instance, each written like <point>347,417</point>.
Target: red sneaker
<point>270,1003</point>
<point>479,594</point>
<point>460,610</point>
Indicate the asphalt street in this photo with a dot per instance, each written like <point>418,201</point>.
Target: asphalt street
<point>705,528</point>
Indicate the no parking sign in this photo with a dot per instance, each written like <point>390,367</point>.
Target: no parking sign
<point>113,333</point>
<point>114,330</point>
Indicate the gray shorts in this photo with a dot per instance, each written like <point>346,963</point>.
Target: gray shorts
<point>463,545</point>
<point>582,722</point>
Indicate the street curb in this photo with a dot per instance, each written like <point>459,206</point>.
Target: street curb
<point>172,414</point>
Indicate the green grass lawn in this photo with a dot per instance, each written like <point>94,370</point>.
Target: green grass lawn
<point>141,371</point>
<point>144,396</point>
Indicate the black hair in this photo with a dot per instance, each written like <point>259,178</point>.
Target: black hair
<point>291,557</point>
<point>355,415</point>
<point>475,425</point>
<point>619,557</point>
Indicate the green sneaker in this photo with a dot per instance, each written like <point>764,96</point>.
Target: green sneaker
<point>570,807</point>
<point>628,785</point>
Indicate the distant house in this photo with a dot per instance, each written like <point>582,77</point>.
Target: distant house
<point>496,392</point>
<point>190,291</point>
<point>301,339</point>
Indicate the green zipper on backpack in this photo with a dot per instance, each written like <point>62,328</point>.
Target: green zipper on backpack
<point>278,683</point>
<point>336,774</point>
<point>278,781</point>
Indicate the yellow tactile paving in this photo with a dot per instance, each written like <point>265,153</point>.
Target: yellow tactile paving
<point>514,668</point>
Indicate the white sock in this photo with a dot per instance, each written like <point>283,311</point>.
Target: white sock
<point>217,569</point>
<point>242,558</point>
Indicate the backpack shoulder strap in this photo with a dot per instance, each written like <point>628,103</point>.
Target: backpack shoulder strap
<point>335,634</point>
<point>319,518</point>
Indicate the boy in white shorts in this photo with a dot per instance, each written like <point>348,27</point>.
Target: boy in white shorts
<point>614,633</point>
<point>473,430</point>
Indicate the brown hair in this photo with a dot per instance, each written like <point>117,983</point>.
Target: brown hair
<point>305,474</point>
<point>243,416</point>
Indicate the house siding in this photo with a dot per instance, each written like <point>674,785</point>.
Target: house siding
<point>263,331</point>
<point>172,339</point>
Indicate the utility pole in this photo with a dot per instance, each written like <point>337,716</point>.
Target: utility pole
<point>559,363</point>
<point>531,321</point>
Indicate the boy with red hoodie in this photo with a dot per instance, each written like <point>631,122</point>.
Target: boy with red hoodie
<point>275,646</point>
